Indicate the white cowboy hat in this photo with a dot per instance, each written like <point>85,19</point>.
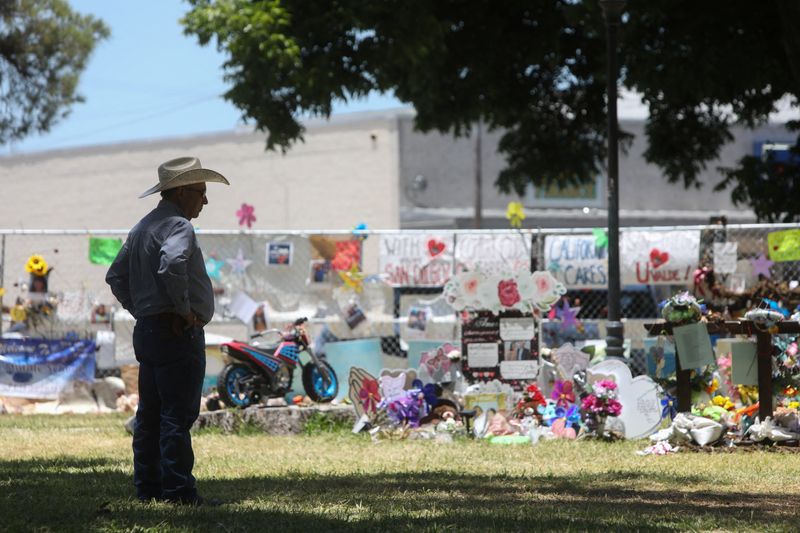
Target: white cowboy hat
<point>182,171</point>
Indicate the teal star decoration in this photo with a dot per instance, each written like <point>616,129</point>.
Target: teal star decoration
<point>600,238</point>
<point>213,267</point>
<point>554,266</point>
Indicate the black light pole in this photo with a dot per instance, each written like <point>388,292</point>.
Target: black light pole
<point>612,11</point>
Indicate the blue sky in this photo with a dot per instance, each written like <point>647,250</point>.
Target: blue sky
<point>148,81</point>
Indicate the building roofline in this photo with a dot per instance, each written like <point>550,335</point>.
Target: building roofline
<point>243,132</point>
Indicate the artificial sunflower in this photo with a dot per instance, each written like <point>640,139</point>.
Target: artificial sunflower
<point>37,266</point>
<point>723,401</point>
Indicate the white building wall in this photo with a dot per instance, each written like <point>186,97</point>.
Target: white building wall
<point>343,174</point>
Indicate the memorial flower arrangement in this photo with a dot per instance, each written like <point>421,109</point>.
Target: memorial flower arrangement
<point>32,310</point>
<point>720,409</point>
<point>408,409</point>
<point>530,401</point>
<point>786,370</point>
<point>600,404</point>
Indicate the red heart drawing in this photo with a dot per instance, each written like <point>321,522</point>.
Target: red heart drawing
<point>658,258</point>
<point>435,247</point>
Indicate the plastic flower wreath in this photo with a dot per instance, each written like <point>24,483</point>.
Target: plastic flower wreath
<point>683,308</point>
<point>562,393</point>
<point>37,266</point>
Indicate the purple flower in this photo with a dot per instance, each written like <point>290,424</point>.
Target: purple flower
<point>562,393</point>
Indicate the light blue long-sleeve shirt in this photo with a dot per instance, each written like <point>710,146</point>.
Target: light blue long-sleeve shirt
<point>160,268</point>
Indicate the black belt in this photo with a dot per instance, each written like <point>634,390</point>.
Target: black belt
<point>167,317</point>
<point>170,319</point>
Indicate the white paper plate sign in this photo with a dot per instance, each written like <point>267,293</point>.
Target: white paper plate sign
<point>641,403</point>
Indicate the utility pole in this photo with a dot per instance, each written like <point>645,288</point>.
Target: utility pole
<point>612,11</point>
<point>478,134</point>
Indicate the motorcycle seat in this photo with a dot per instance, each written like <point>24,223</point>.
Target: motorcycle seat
<point>268,349</point>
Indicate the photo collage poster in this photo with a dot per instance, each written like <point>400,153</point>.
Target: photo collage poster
<point>503,347</point>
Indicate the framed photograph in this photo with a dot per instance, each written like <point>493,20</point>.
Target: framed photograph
<point>260,320</point>
<point>279,253</point>
<point>517,351</point>
<point>100,314</point>
<point>486,402</point>
<point>418,318</point>
<point>319,273</point>
<point>354,315</point>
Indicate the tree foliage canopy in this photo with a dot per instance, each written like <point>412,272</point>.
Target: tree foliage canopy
<point>537,70</point>
<point>44,47</point>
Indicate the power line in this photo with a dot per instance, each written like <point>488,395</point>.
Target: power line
<point>160,113</point>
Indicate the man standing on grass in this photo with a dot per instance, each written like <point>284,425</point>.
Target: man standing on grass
<point>160,277</point>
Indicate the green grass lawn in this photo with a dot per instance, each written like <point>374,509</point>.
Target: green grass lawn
<point>73,473</point>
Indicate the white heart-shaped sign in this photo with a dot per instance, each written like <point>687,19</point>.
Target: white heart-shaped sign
<point>641,403</point>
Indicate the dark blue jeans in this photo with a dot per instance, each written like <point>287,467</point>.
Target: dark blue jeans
<point>171,371</point>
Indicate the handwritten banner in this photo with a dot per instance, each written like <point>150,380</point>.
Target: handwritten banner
<point>784,245</point>
<point>576,261</point>
<point>38,368</point>
<point>510,252</point>
<point>420,260</point>
<point>659,257</point>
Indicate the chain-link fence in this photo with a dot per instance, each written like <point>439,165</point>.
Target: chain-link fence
<point>347,287</point>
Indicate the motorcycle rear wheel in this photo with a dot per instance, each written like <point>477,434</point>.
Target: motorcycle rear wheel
<point>315,385</point>
<point>231,391</point>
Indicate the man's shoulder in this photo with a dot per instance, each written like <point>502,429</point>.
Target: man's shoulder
<point>161,218</point>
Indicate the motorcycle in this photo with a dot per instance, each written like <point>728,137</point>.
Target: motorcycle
<point>262,371</point>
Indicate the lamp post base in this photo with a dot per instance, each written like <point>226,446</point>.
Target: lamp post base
<point>615,337</point>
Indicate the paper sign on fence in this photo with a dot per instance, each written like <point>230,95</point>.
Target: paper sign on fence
<point>243,307</point>
<point>784,245</point>
<point>576,261</point>
<point>659,257</point>
<point>725,257</point>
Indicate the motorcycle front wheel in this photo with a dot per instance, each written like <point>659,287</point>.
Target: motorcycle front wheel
<point>319,389</point>
<point>236,386</point>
